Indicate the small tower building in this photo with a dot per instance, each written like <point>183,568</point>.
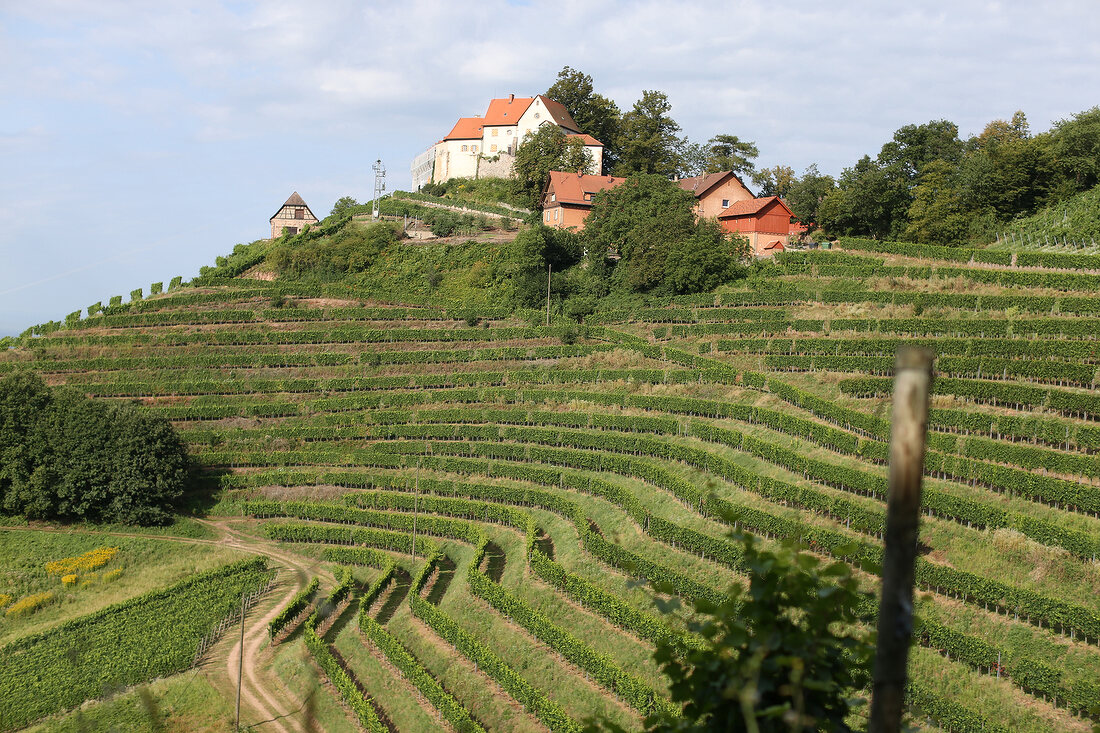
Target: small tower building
<point>293,216</point>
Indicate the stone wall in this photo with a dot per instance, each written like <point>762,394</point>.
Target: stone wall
<point>499,168</point>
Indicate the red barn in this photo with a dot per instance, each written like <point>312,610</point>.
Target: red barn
<point>766,222</point>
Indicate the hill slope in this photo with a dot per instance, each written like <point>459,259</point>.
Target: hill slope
<point>535,465</point>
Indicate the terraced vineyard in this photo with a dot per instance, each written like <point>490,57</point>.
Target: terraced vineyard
<point>500,487</point>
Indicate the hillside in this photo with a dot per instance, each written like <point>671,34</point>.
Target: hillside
<point>500,486</point>
<point>1072,225</point>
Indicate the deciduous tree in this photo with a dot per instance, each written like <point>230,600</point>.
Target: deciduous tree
<point>649,138</point>
<point>594,113</point>
<point>547,149</point>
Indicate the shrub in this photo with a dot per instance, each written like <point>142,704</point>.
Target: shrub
<point>29,604</point>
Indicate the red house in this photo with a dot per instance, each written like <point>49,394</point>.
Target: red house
<point>567,198</point>
<point>766,222</point>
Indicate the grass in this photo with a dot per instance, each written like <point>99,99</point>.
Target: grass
<point>146,564</point>
<point>183,702</point>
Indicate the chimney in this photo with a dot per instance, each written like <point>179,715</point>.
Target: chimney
<point>511,98</point>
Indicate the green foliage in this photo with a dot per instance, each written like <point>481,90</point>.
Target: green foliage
<point>175,282</point>
<point>70,458</point>
<point>156,288</point>
<point>782,653</point>
<point>152,635</point>
<point>350,250</point>
<point>594,113</point>
<point>343,206</point>
<point>292,610</point>
<point>547,149</point>
<point>135,295</point>
<point>651,222</point>
<point>649,139</point>
<point>731,153</point>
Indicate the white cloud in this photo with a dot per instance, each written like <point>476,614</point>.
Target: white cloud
<point>226,106</point>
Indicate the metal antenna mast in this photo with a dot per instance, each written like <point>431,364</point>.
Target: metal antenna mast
<point>379,185</point>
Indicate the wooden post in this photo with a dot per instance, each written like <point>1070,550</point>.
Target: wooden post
<point>912,384</point>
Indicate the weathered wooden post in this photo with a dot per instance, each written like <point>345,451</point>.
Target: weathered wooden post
<point>912,384</point>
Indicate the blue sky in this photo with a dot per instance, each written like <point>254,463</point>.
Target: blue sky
<point>139,140</point>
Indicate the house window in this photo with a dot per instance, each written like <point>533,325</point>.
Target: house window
<point>464,148</point>
<point>509,133</point>
<point>725,203</point>
<point>536,115</point>
<point>495,131</point>
<point>556,212</point>
<point>473,148</point>
<point>553,197</point>
<point>588,197</point>
<point>492,148</point>
<point>299,213</point>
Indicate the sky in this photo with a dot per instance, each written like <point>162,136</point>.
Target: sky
<point>139,140</point>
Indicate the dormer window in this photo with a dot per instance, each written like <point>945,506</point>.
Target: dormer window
<point>553,197</point>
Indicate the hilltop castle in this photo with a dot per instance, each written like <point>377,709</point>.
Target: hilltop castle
<point>486,146</point>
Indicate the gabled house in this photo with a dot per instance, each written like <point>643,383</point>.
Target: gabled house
<point>766,222</point>
<point>487,145</point>
<point>293,216</point>
<point>715,192</point>
<point>567,197</point>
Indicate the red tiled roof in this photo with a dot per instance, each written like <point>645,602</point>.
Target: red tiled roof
<point>585,138</point>
<point>467,128</point>
<point>699,185</point>
<point>773,245</point>
<point>570,188</point>
<point>506,111</point>
<point>559,113</point>
<point>750,207</point>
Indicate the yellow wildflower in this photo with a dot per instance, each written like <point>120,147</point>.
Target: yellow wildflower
<point>30,604</point>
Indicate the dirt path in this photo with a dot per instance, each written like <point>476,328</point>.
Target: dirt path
<point>266,703</point>
<point>272,706</point>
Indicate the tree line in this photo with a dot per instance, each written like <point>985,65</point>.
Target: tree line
<point>925,185</point>
<point>66,457</point>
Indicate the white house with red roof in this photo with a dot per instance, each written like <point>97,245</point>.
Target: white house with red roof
<point>487,145</point>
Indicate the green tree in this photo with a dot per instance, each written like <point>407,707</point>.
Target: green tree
<point>807,192</point>
<point>1076,146</point>
<point>651,222</point>
<point>79,459</point>
<point>594,113</point>
<point>776,181</point>
<point>936,215</point>
<point>870,200</point>
<point>649,140</point>
<point>547,149</point>
<point>343,205</point>
<point>784,654</point>
<point>525,261</point>
<point>731,153</point>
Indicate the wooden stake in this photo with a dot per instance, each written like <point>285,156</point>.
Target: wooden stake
<point>912,384</point>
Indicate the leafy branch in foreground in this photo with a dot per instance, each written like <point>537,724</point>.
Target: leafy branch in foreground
<point>784,654</point>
